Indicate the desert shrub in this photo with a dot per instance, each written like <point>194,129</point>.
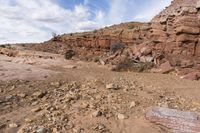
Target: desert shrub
<point>131,27</point>
<point>2,46</point>
<point>69,54</point>
<point>96,59</point>
<point>130,65</point>
<point>115,47</point>
<point>55,37</point>
<point>95,31</point>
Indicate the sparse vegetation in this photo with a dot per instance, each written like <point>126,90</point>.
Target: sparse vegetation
<point>115,47</point>
<point>55,37</point>
<point>130,65</point>
<point>95,31</point>
<point>131,27</point>
<point>69,54</point>
<point>2,46</point>
<point>96,59</point>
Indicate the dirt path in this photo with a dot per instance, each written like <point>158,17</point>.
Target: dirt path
<point>55,95</point>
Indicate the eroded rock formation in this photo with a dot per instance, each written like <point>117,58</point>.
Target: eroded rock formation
<point>172,38</point>
<point>175,31</point>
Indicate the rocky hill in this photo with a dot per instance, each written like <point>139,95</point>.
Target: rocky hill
<point>47,88</point>
<point>170,41</point>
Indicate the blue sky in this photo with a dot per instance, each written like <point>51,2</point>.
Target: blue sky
<point>35,20</point>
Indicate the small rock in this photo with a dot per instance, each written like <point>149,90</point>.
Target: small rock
<point>56,84</point>
<point>36,109</point>
<point>70,67</point>
<point>97,113</point>
<point>133,104</point>
<point>39,94</point>
<point>55,130</point>
<point>28,120</point>
<point>21,130</point>
<point>12,88</point>
<point>41,130</point>
<point>112,86</point>
<point>22,95</point>
<point>121,116</point>
<point>76,130</point>
<point>145,51</point>
<point>35,103</point>
<point>13,125</point>
<point>8,97</point>
<point>84,105</point>
<point>102,62</point>
<point>99,127</point>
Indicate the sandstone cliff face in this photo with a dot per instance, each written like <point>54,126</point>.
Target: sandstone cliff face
<point>98,42</point>
<point>170,40</point>
<point>175,31</point>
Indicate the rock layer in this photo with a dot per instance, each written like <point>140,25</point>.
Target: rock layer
<point>175,31</point>
<point>172,36</point>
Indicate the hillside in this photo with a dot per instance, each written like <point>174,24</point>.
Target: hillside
<point>171,39</point>
<point>128,78</point>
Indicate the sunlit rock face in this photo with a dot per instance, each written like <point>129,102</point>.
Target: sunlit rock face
<point>175,31</point>
<point>172,36</point>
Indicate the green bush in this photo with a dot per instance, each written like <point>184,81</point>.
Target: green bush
<point>130,65</point>
<point>131,27</point>
<point>96,59</point>
<point>69,54</point>
<point>2,46</point>
<point>115,47</point>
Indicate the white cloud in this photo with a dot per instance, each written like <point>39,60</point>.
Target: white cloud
<point>137,10</point>
<point>35,20</point>
<point>154,6</point>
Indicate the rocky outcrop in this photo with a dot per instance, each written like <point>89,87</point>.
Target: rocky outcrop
<point>172,37</point>
<point>175,32</point>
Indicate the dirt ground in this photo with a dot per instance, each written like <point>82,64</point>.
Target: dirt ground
<point>42,92</point>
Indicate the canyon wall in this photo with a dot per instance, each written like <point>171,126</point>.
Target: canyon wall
<point>171,39</point>
<point>175,31</point>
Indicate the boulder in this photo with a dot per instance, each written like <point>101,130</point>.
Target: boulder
<point>163,68</point>
<point>191,76</point>
<point>187,30</point>
<point>187,38</point>
<point>146,59</point>
<point>145,51</point>
<point>175,120</point>
<point>198,5</point>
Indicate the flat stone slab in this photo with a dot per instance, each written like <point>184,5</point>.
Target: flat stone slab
<point>177,121</point>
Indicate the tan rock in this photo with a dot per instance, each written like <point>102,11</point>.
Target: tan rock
<point>121,116</point>
<point>13,125</point>
<point>163,68</point>
<point>198,5</point>
<point>187,30</point>
<point>133,104</point>
<point>112,86</point>
<point>22,95</point>
<point>36,109</point>
<point>191,76</point>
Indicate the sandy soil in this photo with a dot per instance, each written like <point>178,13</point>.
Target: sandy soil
<point>39,94</point>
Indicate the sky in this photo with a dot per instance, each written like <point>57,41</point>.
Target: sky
<point>26,21</point>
